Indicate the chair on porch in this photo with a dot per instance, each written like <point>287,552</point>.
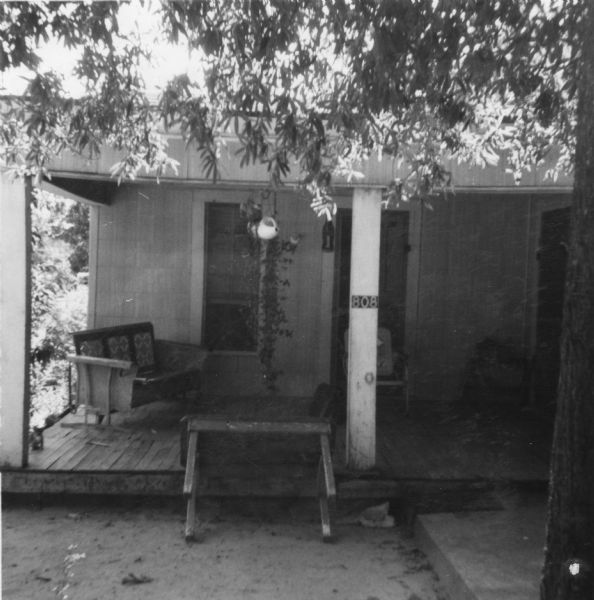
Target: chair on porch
<point>124,366</point>
<point>392,365</point>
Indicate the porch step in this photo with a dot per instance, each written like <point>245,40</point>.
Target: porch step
<point>487,555</point>
<point>425,495</point>
<point>415,496</point>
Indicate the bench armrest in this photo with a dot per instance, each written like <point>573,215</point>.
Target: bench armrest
<point>104,384</point>
<point>176,356</point>
<point>111,363</point>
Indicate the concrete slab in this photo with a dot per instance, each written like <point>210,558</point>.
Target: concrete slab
<point>487,555</point>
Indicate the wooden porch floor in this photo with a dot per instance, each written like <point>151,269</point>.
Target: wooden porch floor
<point>502,442</point>
<point>139,453</point>
<point>70,446</point>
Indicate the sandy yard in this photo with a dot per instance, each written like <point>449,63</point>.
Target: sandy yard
<point>270,550</point>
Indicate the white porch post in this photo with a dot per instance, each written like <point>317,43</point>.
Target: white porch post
<point>362,341</point>
<point>14,321</point>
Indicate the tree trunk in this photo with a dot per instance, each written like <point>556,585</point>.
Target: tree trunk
<point>569,552</point>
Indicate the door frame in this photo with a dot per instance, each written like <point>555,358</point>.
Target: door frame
<point>415,210</point>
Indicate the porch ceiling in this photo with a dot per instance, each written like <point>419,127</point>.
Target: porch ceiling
<point>94,191</point>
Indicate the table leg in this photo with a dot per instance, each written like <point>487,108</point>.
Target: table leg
<point>326,489</point>
<point>191,484</point>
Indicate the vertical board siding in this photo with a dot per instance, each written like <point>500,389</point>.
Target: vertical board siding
<point>150,255</point>
<point>473,264</point>
<point>476,281</point>
<point>144,271</point>
<point>486,289</point>
<point>433,274</point>
<point>298,356</point>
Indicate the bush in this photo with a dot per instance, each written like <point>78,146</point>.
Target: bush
<point>58,299</point>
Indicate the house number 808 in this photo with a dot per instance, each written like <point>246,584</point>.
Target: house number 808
<point>364,302</point>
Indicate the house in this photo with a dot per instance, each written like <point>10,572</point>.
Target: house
<point>174,252</point>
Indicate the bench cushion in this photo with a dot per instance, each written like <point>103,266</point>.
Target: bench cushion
<point>134,342</point>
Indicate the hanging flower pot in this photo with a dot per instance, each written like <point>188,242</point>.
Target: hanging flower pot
<point>267,229</point>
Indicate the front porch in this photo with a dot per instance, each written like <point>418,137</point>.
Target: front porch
<point>434,459</point>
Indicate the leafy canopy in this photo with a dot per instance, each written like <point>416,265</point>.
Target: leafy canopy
<point>314,87</point>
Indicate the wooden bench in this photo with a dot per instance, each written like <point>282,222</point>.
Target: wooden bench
<point>217,423</point>
<point>124,366</point>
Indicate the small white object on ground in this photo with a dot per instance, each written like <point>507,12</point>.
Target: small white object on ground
<point>377,516</point>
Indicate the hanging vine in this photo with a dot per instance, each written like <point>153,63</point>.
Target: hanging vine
<point>268,313</point>
<point>276,256</point>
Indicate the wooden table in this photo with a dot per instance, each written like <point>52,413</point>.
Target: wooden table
<point>299,426</point>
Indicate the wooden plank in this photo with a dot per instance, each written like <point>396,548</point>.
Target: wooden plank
<point>91,461</point>
<point>148,460</point>
<point>191,484</point>
<point>306,306</point>
<point>325,516</point>
<point>159,457</point>
<point>257,470</point>
<point>111,363</point>
<point>53,446</point>
<point>98,482</point>
<point>268,487</point>
<point>326,459</point>
<point>170,458</point>
<point>72,462</point>
<point>167,457</point>
<point>119,462</point>
<point>189,481</point>
<point>326,489</point>
<point>213,423</point>
<point>74,448</point>
<point>101,458</point>
<point>132,454</point>
<point>153,482</point>
<point>191,505</point>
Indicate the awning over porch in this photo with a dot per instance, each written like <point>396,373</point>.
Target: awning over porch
<point>376,171</point>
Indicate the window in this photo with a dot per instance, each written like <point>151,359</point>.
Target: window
<point>232,281</point>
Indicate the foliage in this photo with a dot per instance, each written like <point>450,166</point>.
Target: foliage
<point>276,256</point>
<point>75,231</point>
<point>326,83</point>
<point>50,278</point>
<point>318,86</point>
<point>49,392</point>
<point>112,109</point>
<point>58,303</point>
<point>268,317</point>
<point>313,87</point>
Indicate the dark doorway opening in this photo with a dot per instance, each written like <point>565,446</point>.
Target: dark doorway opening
<point>392,284</point>
<point>552,264</point>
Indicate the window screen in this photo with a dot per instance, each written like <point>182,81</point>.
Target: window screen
<point>232,280</point>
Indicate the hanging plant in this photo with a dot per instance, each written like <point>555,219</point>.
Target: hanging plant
<point>275,256</point>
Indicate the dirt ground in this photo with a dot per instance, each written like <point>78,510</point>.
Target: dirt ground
<point>269,550</point>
